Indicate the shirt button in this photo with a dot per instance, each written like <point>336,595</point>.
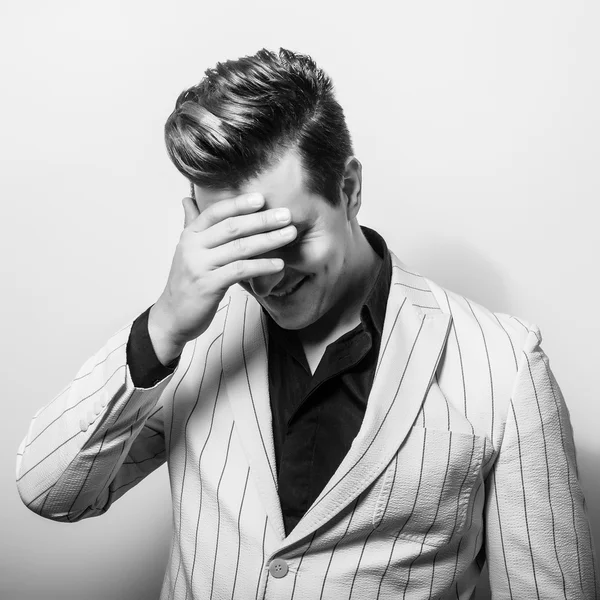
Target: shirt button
<point>97,407</point>
<point>278,568</point>
<point>83,425</point>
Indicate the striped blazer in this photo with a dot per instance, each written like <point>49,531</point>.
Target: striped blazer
<point>465,455</point>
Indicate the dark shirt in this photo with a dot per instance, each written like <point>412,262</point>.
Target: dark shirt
<point>315,416</point>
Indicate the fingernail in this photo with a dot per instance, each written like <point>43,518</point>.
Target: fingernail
<point>255,200</point>
<point>282,214</point>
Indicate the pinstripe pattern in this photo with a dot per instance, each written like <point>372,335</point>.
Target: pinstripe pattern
<point>466,452</point>
<point>334,548</point>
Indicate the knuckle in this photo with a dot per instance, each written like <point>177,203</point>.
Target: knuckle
<point>209,215</point>
<point>238,267</point>
<point>263,218</point>
<point>231,225</point>
<point>239,245</point>
<point>238,205</point>
<point>215,213</point>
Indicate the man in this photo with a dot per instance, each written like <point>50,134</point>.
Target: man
<point>336,426</point>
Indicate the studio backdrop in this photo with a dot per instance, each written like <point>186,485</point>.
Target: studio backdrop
<point>477,127</point>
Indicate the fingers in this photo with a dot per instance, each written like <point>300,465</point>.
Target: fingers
<point>190,210</point>
<point>230,207</point>
<point>243,248</point>
<point>239,270</point>
<point>234,229</point>
<point>242,226</point>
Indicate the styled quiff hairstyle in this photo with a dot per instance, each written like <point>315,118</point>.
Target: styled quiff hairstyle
<point>246,114</point>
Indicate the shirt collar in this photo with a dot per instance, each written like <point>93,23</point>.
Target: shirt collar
<point>376,301</point>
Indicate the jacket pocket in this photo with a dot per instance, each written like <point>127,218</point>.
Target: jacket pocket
<point>427,491</point>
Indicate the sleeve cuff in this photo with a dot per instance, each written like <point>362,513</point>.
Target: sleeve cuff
<point>145,368</point>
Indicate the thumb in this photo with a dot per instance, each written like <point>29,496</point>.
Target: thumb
<point>190,210</point>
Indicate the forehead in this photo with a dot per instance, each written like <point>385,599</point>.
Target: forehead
<point>282,186</point>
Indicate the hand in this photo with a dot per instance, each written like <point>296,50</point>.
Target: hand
<point>215,251</point>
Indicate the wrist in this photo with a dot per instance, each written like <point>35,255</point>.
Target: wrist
<point>167,346</point>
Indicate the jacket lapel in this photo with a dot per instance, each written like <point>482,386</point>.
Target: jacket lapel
<point>246,376</point>
<point>413,339</point>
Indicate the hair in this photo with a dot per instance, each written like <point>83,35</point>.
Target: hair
<point>245,114</point>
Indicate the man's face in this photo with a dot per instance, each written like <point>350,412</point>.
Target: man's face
<point>315,263</point>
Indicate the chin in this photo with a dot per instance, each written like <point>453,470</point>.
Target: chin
<point>292,320</point>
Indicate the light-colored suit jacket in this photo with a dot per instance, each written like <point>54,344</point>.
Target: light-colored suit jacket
<point>465,454</point>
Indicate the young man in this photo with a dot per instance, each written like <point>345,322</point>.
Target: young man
<point>336,425</point>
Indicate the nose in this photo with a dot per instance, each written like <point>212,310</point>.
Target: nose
<point>264,284</point>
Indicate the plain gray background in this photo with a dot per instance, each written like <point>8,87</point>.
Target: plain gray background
<point>477,126</point>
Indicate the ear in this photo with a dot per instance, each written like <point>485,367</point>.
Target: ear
<point>352,186</point>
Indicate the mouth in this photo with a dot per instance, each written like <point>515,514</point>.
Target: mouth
<point>288,291</point>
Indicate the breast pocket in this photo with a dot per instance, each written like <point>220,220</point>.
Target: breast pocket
<point>427,490</point>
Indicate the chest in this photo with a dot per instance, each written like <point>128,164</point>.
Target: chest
<point>313,355</point>
<point>341,341</point>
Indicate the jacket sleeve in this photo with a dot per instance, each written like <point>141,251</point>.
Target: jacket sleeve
<point>94,441</point>
<point>538,538</point>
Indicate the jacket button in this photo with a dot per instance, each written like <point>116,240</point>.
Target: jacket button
<point>278,568</point>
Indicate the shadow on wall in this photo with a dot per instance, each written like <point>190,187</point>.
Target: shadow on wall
<point>455,265</point>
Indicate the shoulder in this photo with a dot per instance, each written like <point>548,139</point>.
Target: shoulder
<point>472,319</point>
<point>483,356</point>
<point>472,323</point>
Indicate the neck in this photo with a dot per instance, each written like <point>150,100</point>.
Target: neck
<point>363,264</point>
